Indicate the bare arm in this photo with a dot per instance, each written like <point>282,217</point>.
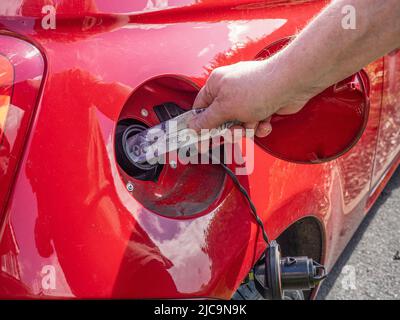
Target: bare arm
<point>322,54</point>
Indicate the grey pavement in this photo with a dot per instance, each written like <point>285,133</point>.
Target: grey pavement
<point>369,268</point>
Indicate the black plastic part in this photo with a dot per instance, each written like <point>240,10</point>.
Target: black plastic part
<point>167,111</point>
<point>267,276</point>
<point>301,272</point>
<point>274,274</point>
<point>145,172</point>
<point>129,127</point>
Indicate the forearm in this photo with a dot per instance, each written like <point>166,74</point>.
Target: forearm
<point>315,60</point>
<point>324,53</point>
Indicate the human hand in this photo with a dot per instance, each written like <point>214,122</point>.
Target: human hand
<point>249,92</point>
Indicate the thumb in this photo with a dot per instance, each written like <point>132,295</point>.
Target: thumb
<point>208,119</point>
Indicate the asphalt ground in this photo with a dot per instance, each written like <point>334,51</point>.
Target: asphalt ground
<point>369,267</point>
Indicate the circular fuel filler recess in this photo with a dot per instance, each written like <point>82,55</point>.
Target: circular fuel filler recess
<point>171,190</point>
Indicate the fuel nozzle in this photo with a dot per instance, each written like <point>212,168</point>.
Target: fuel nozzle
<point>274,274</point>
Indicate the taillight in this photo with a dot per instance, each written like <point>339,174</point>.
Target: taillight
<point>21,74</point>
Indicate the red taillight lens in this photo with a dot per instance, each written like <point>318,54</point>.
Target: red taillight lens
<point>21,75</point>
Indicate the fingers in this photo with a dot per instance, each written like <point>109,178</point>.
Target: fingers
<point>203,99</point>
<point>290,110</point>
<point>235,133</point>
<point>249,129</point>
<point>264,128</point>
<point>208,119</point>
<point>251,125</point>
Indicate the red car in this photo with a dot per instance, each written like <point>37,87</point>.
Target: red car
<point>77,221</point>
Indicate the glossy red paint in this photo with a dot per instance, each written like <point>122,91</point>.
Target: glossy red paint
<point>69,208</point>
<point>388,147</point>
<point>21,72</point>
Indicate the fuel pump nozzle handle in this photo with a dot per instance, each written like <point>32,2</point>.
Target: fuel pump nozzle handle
<point>171,135</point>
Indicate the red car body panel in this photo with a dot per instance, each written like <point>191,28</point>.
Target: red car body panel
<point>69,207</point>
